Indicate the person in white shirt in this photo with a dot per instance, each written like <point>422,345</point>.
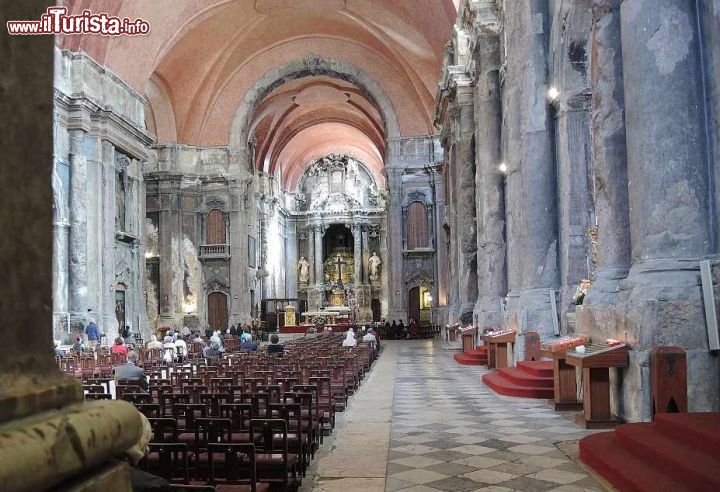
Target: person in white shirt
<point>169,351</point>
<point>349,339</point>
<point>370,338</point>
<point>153,343</point>
<point>181,349</point>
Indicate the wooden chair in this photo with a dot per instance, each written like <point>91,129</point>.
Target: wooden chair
<point>168,460</point>
<point>236,471</point>
<point>274,463</point>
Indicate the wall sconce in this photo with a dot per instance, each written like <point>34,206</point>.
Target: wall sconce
<point>553,93</point>
<point>502,168</point>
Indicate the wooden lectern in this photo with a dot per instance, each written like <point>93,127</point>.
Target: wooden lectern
<point>563,373</point>
<point>498,350</point>
<point>469,335</point>
<point>596,362</point>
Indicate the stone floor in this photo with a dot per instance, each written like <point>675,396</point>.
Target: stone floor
<point>422,423</point>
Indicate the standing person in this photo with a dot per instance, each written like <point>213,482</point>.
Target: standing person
<point>414,328</point>
<point>386,328</point>
<point>233,331</point>
<point>93,334</point>
<point>401,330</point>
<point>393,331</point>
<point>154,343</point>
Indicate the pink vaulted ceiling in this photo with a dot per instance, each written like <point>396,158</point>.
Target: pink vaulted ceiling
<point>207,53</point>
<point>324,139</point>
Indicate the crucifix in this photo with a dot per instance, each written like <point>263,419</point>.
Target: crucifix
<point>340,263</point>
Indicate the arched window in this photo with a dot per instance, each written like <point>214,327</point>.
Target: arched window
<point>417,226</point>
<point>215,228</point>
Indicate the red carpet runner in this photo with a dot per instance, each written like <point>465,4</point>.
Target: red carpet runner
<point>528,379</point>
<point>477,357</point>
<point>677,452</point>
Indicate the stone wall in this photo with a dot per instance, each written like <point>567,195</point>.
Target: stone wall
<point>101,146</point>
<point>594,129</point>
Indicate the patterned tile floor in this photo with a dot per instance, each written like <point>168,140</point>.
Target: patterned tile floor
<point>450,432</point>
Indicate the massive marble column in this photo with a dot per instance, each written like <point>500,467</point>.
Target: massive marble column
<point>440,295</point>
<point>668,174</point>
<point>357,252</point>
<point>78,275</point>
<point>42,417</point>
<point>609,152</point>
<point>392,261</point>
<point>463,165</point>
<point>531,199</point>
<point>489,183</point>
<point>318,232</point>
<point>242,199</point>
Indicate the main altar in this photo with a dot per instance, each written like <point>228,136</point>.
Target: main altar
<point>340,217</point>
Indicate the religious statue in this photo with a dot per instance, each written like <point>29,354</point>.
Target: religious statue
<point>304,268</point>
<point>374,262</point>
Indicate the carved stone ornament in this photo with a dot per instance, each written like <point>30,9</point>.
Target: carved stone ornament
<point>217,286</point>
<point>416,196</point>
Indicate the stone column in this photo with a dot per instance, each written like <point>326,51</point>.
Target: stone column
<point>170,243</point>
<point>238,191</point>
<point>291,272</point>
<point>668,175</point>
<point>489,184</point>
<point>463,165</point>
<point>318,232</point>
<point>392,262</point>
<point>357,251</point>
<point>365,229</point>
<point>531,198</point>
<point>104,231</point>
<point>609,152</point>
<point>78,275</point>
<point>440,296</point>
<point>73,440</point>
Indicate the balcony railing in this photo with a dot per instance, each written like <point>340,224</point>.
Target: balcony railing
<point>214,251</point>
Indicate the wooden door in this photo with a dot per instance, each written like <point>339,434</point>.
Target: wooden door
<point>414,304</point>
<point>216,228</point>
<point>218,311</point>
<point>120,306</point>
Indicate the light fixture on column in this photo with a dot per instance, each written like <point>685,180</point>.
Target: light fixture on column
<point>553,93</point>
<point>502,168</point>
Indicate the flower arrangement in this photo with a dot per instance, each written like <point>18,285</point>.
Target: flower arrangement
<point>580,292</point>
<point>320,320</point>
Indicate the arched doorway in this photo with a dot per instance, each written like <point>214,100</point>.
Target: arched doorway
<point>217,311</point>
<point>414,304</point>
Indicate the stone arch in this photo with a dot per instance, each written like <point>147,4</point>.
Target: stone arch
<point>309,66</point>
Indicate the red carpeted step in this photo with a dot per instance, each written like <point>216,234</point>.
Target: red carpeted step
<point>700,430</point>
<point>524,378</point>
<point>541,368</point>
<point>505,386</point>
<point>471,359</point>
<point>682,462</point>
<point>625,470</point>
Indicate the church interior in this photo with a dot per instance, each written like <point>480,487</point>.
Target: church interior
<point>361,245</point>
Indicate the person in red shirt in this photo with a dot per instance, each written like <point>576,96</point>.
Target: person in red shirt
<point>119,347</point>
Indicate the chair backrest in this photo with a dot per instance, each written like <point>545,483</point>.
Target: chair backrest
<point>212,430</point>
<point>186,413</point>
<point>213,401</point>
<point>237,466</point>
<point>164,429</point>
<point>172,462</point>
<point>239,413</point>
<point>263,433</point>
<point>137,397</point>
<point>150,410</point>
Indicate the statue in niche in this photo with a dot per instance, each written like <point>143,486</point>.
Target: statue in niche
<point>304,270</point>
<point>374,263</point>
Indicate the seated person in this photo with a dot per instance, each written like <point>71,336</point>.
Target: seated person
<point>249,345</point>
<point>130,371</point>
<point>181,349</point>
<point>246,336</point>
<point>274,348</point>
<point>119,347</point>
<point>214,350</point>
<point>169,350</point>
<point>198,338</point>
<point>349,339</point>
<point>154,343</point>
<point>78,345</point>
<point>370,339</point>
<point>58,350</point>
